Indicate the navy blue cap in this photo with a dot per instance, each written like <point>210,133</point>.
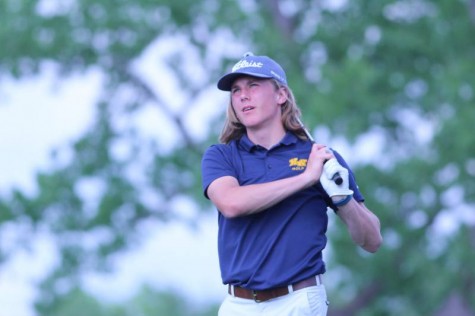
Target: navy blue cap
<point>255,66</point>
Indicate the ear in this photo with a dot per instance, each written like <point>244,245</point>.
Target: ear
<point>282,96</point>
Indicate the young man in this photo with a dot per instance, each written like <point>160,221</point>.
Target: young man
<point>272,186</point>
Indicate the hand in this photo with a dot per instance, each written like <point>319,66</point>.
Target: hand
<point>329,169</point>
<point>318,155</point>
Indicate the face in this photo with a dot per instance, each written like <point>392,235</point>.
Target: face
<point>257,102</point>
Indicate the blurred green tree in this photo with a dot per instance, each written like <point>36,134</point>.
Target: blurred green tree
<point>148,302</point>
<point>390,82</point>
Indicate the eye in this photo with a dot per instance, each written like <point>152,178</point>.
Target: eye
<point>234,90</point>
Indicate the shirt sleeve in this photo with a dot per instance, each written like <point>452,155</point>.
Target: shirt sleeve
<point>216,163</point>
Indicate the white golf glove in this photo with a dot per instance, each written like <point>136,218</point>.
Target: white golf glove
<point>330,168</point>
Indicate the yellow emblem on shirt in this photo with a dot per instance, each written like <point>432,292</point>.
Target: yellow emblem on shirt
<point>297,164</point>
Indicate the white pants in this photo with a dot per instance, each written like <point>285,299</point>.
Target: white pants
<point>311,301</point>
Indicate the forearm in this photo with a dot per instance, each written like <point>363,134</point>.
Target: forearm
<point>363,226</point>
<point>233,200</point>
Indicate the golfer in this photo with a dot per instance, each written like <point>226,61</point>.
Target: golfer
<point>272,187</point>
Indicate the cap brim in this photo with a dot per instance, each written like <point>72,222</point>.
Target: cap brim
<point>226,81</point>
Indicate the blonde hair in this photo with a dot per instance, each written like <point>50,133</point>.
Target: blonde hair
<point>233,129</point>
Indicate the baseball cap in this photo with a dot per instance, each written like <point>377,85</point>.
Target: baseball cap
<point>256,66</point>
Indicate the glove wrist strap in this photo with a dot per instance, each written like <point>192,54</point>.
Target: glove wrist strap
<point>343,201</point>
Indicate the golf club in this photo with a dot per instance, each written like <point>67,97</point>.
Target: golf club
<point>336,177</point>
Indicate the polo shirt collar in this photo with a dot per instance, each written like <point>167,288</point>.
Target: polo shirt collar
<point>248,145</point>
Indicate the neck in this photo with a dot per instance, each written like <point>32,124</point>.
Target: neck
<point>266,137</point>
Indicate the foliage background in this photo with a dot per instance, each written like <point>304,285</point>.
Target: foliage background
<point>390,84</point>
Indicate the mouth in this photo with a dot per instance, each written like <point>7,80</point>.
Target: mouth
<point>247,108</point>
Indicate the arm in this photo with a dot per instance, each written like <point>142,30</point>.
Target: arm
<point>363,226</point>
<point>234,200</point>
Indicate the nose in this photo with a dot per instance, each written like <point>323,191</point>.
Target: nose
<point>244,96</point>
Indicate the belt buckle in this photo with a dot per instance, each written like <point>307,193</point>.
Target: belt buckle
<point>254,296</point>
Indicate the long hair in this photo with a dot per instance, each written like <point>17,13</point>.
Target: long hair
<point>233,129</point>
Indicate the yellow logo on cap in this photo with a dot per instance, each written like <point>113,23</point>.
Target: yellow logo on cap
<point>297,164</point>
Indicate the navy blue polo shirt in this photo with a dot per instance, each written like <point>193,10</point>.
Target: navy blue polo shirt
<point>283,244</point>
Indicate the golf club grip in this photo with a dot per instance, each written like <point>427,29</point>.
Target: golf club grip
<point>336,177</point>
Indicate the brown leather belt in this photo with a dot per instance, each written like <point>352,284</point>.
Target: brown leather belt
<point>265,295</point>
